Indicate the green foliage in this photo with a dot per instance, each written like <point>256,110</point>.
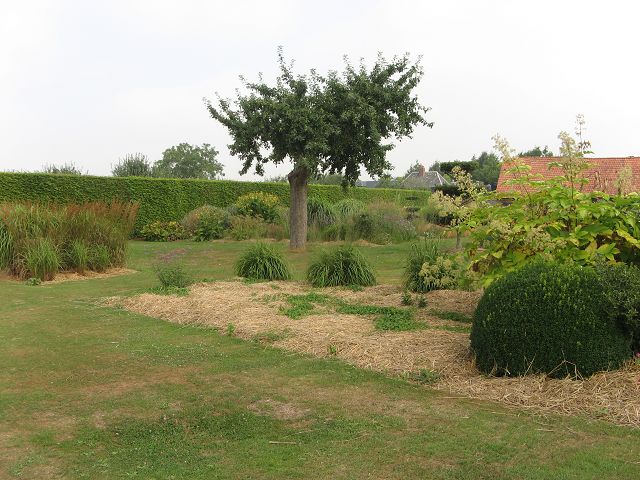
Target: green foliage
<point>348,207</point>
<point>41,259</point>
<point>68,168</point>
<point>422,301</point>
<point>547,318</point>
<point>133,165</point>
<point>621,284</point>
<point>245,228</point>
<point>537,152</point>
<point>331,124</point>
<point>303,305</point>
<point>163,232</point>
<point>426,251</point>
<point>212,223</point>
<point>259,204</point>
<point>382,223</point>
<point>453,316</point>
<point>320,212</point>
<point>30,232</point>
<point>172,274</point>
<point>78,256</point>
<point>445,272</point>
<point>387,318</point>
<point>424,376</point>
<point>263,262</point>
<point>166,199</point>
<point>33,282</point>
<point>99,258</point>
<point>191,220</point>
<point>406,299</point>
<point>341,266</point>
<point>189,161</point>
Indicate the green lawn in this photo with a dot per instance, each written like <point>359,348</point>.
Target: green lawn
<point>95,392</point>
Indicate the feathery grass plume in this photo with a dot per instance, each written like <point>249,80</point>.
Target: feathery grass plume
<point>422,252</point>
<point>341,266</point>
<point>263,262</point>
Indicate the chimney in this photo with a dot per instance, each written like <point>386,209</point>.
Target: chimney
<point>421,170</point>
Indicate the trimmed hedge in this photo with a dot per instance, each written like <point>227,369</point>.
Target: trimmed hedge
<point>170,199</point>
<point>549,318</point>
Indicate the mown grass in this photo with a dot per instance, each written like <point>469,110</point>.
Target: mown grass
<point>89,391</point>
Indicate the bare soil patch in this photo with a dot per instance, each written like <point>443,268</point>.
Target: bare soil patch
<point>254,311</point>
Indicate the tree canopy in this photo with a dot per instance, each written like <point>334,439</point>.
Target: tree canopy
<point>189,161</point>
<point>133,165</point>
<point>331,124</point>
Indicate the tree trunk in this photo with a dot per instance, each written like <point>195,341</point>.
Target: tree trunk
<point>298,179</point>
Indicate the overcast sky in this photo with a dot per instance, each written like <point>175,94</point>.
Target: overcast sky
<point>90,81</point>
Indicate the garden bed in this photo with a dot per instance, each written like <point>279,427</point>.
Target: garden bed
<point>436,353</point>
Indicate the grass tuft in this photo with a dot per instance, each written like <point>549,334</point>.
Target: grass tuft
<point>343,266</point>
<point>263,262</point>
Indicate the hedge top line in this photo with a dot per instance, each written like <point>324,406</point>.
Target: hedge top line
<point>168,199</point>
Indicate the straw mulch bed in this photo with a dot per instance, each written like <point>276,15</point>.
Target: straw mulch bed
<point>72,276</point>
<point>254,311</point>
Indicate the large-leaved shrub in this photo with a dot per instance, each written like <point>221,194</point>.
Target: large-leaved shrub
<point>259,204</point>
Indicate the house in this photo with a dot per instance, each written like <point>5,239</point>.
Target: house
<point>419,179</point>
<point>610,175</point>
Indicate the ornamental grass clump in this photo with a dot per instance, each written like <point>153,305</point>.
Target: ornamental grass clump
<point>263,262</point>
<point>343,266</point>
<point>39,240</point>
<point>320,212</point>
<point>547,318</point>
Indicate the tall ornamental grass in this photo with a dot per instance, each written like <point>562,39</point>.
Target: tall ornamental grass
<point>39,240</point>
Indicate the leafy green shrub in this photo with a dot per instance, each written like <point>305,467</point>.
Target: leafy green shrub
<point>621,284</point>
<point>443,273</point>
<point>99,258</point>
<point>212,224</point>
<point>342,266</point>
<point>263,262</point>
<point>320,212</point>
<point>190,221</point>
<point>547,318</point>
<point>172,275</point>
<point>41,259</point>
<point>259,204</point>
<point>77,256</point>
<point>244,227</point>
<point>422,252</point>
<point>163,232</point>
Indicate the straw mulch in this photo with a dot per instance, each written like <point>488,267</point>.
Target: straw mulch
<point>254,311</point>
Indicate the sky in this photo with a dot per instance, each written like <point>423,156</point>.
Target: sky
<point>90,81</point>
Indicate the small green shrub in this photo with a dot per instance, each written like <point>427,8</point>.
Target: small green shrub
<point>263,262</point>
<point>422,252</point>
<point>163,232</point>
<point>33,282</point>
<point>41,259</point>
<point>99,258</point>
<point>443,273</point>
<point>341,267</point>
<point>320,212</point>
<point>211,225</point>
<point>191,220</point>
<point>259,204</point>
<point>422,301</point>
<point>244,227</point>
<point>424,376</point>
<point>621,284</point>
<point>172,275</point>
<point>547,318</point>
<point>77,256</point>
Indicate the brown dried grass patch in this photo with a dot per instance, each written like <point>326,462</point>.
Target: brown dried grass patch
<point>253,310</point>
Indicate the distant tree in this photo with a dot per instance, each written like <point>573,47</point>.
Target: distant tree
<point>189,161</point>
<point>133,165</point>
<point>537,152</point>
<point>327,179</point>
<point>446,168</point>
<point>332,124</point>
<point>488,169</point>
<point>66,169</point>
<point>413,168</point>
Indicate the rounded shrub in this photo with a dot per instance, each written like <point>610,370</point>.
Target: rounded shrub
<point>163,232</point>
<point>259,204</point>
<point>547,318</point>
<point>263,262</point>
<point>341,266</point>
<point>212,224</point>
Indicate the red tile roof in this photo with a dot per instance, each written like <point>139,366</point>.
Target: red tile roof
<point>602,173</point>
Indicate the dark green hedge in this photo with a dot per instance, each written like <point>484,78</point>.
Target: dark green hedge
<point>170,199</point>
